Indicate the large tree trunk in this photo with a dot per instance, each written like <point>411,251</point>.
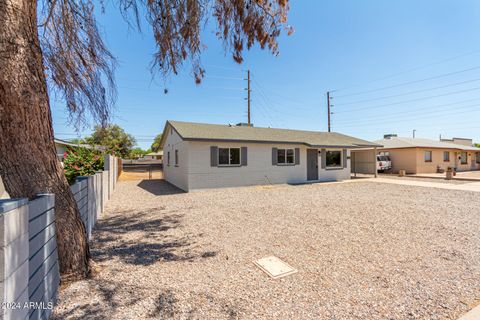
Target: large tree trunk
<point>28,162</point>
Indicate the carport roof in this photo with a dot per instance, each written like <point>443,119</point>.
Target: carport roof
<point>399,142</point>
<point>242,133</point>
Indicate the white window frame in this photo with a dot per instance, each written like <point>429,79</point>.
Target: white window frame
<point>229,157</point>
<point>341,159</point>
<point>286,163</point>
<point>425,154</point>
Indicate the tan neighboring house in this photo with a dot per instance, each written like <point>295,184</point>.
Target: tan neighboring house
<point>154,155</point>
<point>416,155</point>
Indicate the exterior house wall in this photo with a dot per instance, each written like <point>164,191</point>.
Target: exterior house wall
<point>365,161</point>
<point>437,160</point>
<point>176,174</point>
<point>258,171</point>
<point>403,159</point>
<point>195,171</point>
<point>413,160</point>
<point>334,174</point>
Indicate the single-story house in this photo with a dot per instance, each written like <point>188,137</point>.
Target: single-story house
<point>61,146</point>
<point>201,155</point>
<point>154,155</point>
<point>416,155</point>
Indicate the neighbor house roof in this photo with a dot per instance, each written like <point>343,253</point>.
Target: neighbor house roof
<point>159,153</point>
<point>215,132</point>
<point>399,142</point>
<point>81,145</point>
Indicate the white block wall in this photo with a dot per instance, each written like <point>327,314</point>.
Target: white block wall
<point>29,267</point>
<point>176,175</point>
<point>259,169</point>
<point>194,170</point>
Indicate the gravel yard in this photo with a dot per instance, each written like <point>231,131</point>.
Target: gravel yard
<point>363,250</point>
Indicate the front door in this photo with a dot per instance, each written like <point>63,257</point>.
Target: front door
<point>312,164</point>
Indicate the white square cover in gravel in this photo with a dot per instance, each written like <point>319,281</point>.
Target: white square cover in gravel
<point>275,267</point>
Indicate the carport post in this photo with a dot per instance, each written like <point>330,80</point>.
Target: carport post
<point>375,161</point>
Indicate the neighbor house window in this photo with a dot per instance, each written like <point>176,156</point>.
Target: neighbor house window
<point>427,156</point>
<point>446,156</point>
<point>176,158</point>
<point>286,156</point>
<point>333,159</point>
<point>463,158</point>
<point>229,156</point>
<point>168,158</point>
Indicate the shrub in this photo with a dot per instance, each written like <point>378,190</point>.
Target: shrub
<point>81,162</point>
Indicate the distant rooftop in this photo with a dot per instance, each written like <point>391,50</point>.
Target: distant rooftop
<point>158,153</point>
<point>400,142</point>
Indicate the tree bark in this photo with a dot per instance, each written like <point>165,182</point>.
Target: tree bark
<point>28,161</point>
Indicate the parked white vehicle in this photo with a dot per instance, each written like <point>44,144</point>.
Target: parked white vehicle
<point>383,163</point>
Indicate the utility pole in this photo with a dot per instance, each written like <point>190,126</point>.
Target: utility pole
<point>248,97</point>
<point>328,106</point>
<point>414,133</point>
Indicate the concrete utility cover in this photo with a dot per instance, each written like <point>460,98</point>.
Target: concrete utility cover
<point>275,267</point>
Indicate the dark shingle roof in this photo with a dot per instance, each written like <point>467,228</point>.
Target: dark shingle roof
<point>215,132</point>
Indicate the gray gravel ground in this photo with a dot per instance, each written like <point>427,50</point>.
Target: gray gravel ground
<point>363,250</point>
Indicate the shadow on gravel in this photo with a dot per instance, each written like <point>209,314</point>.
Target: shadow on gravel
<point>166,306</point>
<point>112,296</point>
<point>140,238</point>
<point>159,187</point>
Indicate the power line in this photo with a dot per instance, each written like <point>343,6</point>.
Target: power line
<point>427,116</point>
<point>409,70</point>
<point>263,89</point>
<point>411,100</point>
<point>410,92</point>
<point>409,82</point>
<point>223,78</point>
<point>410,112</point>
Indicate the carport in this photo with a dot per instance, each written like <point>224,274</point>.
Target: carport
<point>364,161</point>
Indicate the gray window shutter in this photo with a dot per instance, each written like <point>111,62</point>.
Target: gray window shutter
<point>297,156</point>
<point>213,156</point>
<point>324,158</point>
<point>274,156</point>
<point>344,158</point>
<point>244,156</point>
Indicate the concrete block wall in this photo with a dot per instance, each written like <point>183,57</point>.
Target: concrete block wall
<point>14,258</point>
<point>29,267</point>
<point>44,271</point>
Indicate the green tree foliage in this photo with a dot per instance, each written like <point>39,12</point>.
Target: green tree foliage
<point>81,162</point>
<point>114,138</point>
<point>477,145</point>
<point>156,143</point>
<point>136,153</point>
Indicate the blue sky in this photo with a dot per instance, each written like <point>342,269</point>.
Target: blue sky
<point>392,66</point>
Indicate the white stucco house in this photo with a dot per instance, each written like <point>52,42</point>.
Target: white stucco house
<point>198,156</point>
